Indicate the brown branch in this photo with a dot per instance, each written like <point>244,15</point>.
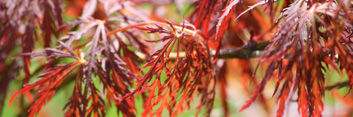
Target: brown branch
<point>338,85</point>
<point>250,50</point>
<point>247,51</point>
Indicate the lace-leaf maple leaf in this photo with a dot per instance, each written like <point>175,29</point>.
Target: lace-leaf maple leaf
<point>300,46</point>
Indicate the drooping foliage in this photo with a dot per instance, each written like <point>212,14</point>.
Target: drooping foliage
<point>114,52</point>
<point>312,36</point>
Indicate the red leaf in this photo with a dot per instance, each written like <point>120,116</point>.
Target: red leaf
<point>282,99</point>
<point>223,21</point>
<point>47,84</point>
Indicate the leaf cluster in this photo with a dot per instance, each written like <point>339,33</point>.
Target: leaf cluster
<point>114,53</point>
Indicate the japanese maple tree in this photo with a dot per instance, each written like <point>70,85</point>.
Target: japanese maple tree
<point>115,52</point>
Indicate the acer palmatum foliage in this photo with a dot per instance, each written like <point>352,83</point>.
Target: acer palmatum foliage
<point>300,53</point>
<point>114,52</point>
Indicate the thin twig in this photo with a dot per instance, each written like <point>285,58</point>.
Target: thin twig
<point>338,85</point>
<point>250,50</point>
<point>246,51</point>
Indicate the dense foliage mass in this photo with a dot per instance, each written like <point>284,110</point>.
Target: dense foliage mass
<point>116,51</point>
